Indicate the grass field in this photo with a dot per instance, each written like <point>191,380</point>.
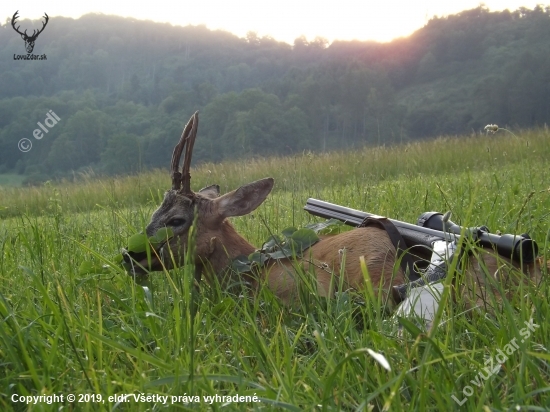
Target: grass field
<point>99,336</point>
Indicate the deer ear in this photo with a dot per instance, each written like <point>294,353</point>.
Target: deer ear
<point>210,192</point>
<point>245,199</point>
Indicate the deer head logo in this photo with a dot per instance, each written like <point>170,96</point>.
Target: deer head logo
<point>29,40</point>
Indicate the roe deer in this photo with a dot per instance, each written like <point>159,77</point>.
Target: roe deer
<point>217,243</point>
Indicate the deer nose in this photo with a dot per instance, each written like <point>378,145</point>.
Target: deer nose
<point>128,256</point>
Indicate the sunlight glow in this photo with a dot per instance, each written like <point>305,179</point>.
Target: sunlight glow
<point>285,20</point>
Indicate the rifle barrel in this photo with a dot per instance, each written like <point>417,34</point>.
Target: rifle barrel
<point>412,234</point>
<point>517,247</point>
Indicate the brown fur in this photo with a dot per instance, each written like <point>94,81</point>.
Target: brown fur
<point>485,274</point>
<point>338,254</point>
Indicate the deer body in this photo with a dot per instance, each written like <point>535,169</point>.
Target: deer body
<point>326,260</point>
<point>217,243</point>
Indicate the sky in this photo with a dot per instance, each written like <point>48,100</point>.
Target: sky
<point>284,20</point>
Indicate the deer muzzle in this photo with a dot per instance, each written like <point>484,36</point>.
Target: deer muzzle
<point>139,264</point>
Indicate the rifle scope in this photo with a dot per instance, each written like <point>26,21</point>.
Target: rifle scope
<point>516,247</point>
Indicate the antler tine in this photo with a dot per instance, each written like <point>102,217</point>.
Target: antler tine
<point>13,19</point>
<point>44,24</point>
<point>186,176</point>
<point>188,136</point>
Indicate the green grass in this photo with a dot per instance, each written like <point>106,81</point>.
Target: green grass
<point>62,332</point>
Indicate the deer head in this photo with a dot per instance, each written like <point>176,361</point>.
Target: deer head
<point>216,241</point>
<point>29,40</point>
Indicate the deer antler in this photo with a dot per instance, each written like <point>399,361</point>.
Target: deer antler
<point>34,33</point>
<point>13,24</point>
<point>182,180</point>
<point>43,26</point>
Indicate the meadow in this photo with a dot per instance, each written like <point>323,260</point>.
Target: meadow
<point>99,336</point>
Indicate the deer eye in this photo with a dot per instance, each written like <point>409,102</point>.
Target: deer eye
<point>176,222</point>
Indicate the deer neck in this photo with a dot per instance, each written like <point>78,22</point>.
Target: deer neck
<point>226,246</point>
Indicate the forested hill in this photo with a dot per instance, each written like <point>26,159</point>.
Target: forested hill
<point>123,89</point>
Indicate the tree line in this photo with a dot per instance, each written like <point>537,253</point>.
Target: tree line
<point>123,89</point>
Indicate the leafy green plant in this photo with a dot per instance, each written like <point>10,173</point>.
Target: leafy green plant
<point>292,243</point>
<point>138,244</point>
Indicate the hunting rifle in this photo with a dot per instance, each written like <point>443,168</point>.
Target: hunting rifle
<point>436,232</point>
